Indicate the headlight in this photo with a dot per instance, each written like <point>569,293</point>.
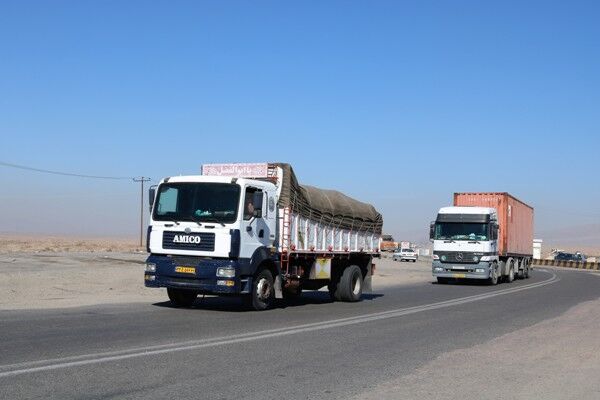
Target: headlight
<point>436,257</point>
<point>481,270</point>
<point>438,269</point>
<point>226,272</point>
<point>150,267</point>
<point>486,258</point>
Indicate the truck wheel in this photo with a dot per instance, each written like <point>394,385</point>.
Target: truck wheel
<point>493,280</point>
<point>181,297</point>
<point>263,291</point>
<point>527,270</point>
<point>511,270</point>
<point>350,286</point>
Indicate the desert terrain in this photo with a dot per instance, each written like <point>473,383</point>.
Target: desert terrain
<point>54,272</point>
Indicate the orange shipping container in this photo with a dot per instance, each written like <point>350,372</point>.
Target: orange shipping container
<point>515,218</point>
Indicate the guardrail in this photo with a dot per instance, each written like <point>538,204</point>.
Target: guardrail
<point>568,264</point>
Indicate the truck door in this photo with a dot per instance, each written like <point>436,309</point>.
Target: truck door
<point>255,230</point>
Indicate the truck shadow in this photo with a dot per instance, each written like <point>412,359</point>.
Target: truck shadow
<point>238,304</point>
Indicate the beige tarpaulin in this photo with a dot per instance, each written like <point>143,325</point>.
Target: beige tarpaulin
<point>328,207</point>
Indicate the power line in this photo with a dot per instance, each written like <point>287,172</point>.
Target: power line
<point>47,171</point>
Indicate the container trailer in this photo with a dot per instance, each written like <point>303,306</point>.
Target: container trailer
<point>487,236</point>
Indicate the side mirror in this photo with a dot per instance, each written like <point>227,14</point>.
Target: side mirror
<point>431,231</point>
<point>257,200</point>
<point>495,229</point>
<point>151,195</point>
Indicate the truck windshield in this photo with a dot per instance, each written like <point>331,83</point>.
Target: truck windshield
<point>461,231</point>
<point>210,202</point>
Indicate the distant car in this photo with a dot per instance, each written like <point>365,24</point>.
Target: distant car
<point>406,254</point>
<point>562,256</point>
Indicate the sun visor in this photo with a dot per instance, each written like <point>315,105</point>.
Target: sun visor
<point>464,218</point>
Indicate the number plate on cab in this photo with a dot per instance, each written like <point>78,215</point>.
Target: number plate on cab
<point>186,270</point>
<point>459,275</point>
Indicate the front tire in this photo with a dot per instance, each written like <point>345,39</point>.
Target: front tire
<point>493,280</point>
<point>181,297</point>
<point>263,291</point>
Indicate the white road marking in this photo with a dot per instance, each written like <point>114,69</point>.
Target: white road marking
<point>97,358</point>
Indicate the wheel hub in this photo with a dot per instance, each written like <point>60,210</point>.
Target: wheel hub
<point>263,289</point>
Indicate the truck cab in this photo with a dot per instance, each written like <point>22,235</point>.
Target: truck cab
<point>465,243</point>
<point>207,234</point>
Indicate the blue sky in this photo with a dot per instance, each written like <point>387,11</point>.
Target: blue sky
<point>396,103</point>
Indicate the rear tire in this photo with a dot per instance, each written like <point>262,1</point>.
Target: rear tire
<point>349,288</point>
<point>181,297</point>
<point>527,270</point>
<point>511,271</point>
<point>522,265</point>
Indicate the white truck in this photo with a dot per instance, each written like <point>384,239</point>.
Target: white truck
<point>486,236</point>
<point>252,230</point>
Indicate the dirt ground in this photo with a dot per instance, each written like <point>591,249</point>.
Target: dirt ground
<point>60,272</point>
<point>10,244</point>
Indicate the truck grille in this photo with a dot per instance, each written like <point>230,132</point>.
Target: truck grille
<point>203,241</point>
<point>458,257</point>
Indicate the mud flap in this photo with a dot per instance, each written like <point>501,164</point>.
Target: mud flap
<point>277,286</point>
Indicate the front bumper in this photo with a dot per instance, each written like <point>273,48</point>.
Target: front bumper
<point>203,280</point>
<point>480,270</point>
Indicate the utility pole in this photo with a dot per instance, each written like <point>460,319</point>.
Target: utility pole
<point>142,179</point>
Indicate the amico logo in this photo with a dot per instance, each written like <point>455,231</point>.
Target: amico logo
<point>186,239</point>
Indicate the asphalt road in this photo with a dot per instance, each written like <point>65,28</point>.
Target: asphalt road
<point>312,349</point>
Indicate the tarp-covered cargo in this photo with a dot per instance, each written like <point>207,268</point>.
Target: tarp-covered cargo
<point>327,207</point>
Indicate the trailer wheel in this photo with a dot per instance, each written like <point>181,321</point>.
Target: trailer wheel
<point>263,291</point>
<point>493,280</point>
<point>527,270</point>
<point>511,270</point>
<point>349,288</point>
<point>522,268</point>
<point>181,297</point>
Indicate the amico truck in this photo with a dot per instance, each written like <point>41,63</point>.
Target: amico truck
<point>485,236</point>
<point>252,230</point>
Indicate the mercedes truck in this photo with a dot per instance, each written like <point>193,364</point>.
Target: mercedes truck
<point>484,236</point>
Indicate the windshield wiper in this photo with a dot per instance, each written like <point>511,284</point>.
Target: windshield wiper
<point>449,241</point>
<point>195,220</point>
<point>212,219</point>
<point>475,241</point>
<point>174,220</point>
